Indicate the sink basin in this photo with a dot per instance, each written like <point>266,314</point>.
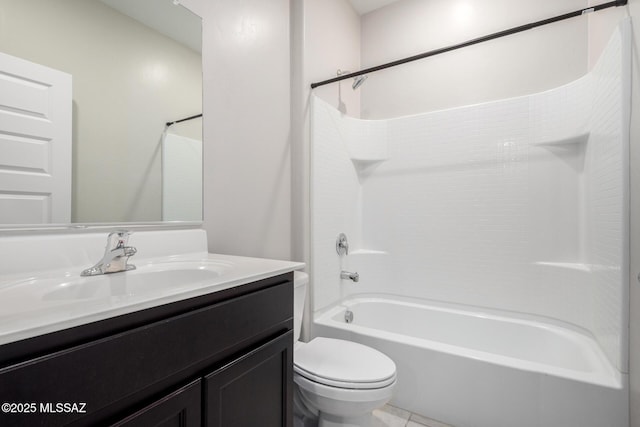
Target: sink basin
<point>159,279</point>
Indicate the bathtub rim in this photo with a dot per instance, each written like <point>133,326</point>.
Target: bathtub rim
<point>606,375</point>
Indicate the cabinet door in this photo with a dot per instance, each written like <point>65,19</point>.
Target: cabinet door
<point>179,409</point>
<point>253,390</point>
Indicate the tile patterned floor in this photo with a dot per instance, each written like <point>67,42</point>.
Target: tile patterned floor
<point>390,416</point>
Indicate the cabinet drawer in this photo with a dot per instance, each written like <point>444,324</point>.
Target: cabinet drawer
<point>111,374</point>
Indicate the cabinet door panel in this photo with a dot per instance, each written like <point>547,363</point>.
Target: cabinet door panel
<point>179,409</point>
<point>254,390</point>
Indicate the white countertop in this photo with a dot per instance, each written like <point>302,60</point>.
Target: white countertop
<point>45,301</point>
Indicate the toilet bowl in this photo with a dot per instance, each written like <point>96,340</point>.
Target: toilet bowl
<point>341,382</point>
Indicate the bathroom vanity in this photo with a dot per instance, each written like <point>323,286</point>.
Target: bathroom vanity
<point>215,354</point>
<point>223,359</point>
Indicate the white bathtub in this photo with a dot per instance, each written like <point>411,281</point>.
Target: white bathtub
<point>474,368</point>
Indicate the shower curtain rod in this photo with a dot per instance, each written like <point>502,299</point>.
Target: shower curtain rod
<point>471,42</point>
<point>183,120</point>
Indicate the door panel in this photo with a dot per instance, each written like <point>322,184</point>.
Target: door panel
<point>35,143</point>
<point>254,390</point>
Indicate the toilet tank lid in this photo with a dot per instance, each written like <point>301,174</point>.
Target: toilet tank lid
<point>343,361</point>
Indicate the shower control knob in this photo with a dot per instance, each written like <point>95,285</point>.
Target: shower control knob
<point>342,245</point>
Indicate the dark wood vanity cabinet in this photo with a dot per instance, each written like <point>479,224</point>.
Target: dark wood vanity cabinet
<point>252,390</point>
<point>182,408</point>
<point>224,359</point>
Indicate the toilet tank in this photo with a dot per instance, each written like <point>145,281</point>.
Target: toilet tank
<point>300,285</point>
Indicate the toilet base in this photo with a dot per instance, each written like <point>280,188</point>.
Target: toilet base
<point>303,415</point>
<point>336,407</point>
<point>328,420</point>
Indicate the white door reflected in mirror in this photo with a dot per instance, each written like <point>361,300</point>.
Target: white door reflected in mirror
<point>35,143</point>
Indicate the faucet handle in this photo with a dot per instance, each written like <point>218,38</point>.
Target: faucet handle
<point>116,255</point>
<point>117,239</point>
<point>342,245</point>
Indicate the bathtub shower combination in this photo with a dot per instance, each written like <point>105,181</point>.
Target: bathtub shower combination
<point>492,250</point>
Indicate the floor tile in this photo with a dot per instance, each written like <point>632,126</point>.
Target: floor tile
<point>390,416</point>
<point>420,421</point>
<point>398,412</point>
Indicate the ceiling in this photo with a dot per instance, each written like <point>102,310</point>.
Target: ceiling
<point>366,6</point>
<point>177,23</point>
<point>174,22</point>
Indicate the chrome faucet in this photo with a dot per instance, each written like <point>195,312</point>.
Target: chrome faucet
<point>350,276</point>
<point>116,255</point>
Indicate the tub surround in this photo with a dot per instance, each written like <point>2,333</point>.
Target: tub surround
<point>518,206</point>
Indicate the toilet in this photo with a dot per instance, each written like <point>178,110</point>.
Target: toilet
<point>337,382</point>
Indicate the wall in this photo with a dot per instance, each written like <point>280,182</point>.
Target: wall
<point>325,37</point>
<point>247,163</point>
<point>123,93</point>
<point>332,43</point>
<point>520,64</point>
<point>633,9</point>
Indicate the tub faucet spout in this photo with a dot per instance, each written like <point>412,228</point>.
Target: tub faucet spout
<point>350,276</point>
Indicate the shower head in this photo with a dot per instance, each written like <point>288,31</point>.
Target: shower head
<point>357,80</point>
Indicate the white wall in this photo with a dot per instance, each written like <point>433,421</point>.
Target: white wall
<point>126,85</point>
<point>332,43</point>
<point>634,334</point>
<point>520,64</point>
<point>325,37</point>
<point>247,166</point>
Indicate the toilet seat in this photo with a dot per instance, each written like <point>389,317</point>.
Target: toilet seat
<point>352,395</point>
<point>343,364</point>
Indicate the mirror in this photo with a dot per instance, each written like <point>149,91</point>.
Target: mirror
<point>133,67</point>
